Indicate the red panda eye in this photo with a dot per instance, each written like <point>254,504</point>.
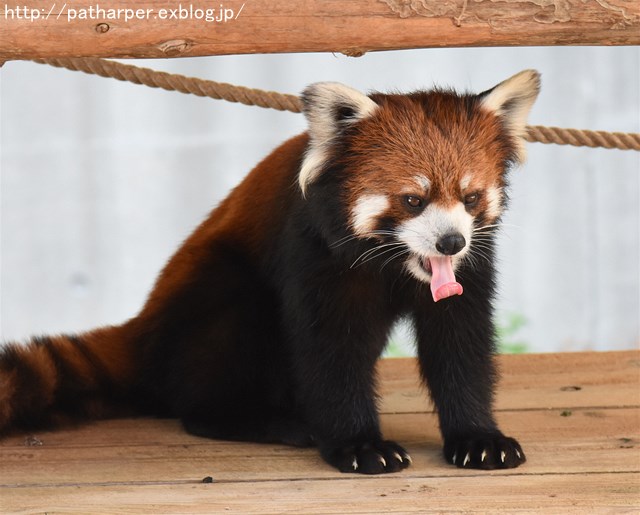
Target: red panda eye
<point>413,202</point>
<point>471,199</point>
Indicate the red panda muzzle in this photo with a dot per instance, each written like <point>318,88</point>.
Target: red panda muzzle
<point>443,280</point>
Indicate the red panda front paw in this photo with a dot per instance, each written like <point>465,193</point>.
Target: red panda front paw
<point>484,451</point>
<point>377,457</point>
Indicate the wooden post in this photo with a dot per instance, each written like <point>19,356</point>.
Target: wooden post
<point>155,28</point>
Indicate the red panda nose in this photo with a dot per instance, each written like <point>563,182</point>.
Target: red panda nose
<point>451,243</point>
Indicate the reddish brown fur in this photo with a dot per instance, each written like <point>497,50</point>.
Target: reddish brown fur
<point>403,136</point>
<point>7,395</point>
<point>109,348</point>
<point>240,219</point>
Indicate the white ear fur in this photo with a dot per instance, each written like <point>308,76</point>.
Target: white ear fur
<point>512,100</point>
<point>323,103</point>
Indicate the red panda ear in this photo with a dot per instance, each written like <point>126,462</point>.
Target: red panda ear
<point>328,107</point>
<point>512,100</point>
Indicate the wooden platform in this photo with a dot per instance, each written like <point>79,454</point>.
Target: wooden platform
<point>576,415</point>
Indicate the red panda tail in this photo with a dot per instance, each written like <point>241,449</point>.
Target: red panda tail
<point>56,379</point>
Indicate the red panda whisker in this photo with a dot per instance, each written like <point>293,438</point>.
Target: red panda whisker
<point>479,244</point>
<point>352,237</point>
<point>480,240</point>
<point>370,254</point>
<point>472,262</point>
<point>377,247</point>
<point>484,244</point>
<point>480,249</point>
<point>475,255</point>
<point>478,258</point>
<point>342,241</point>
<point>492,226</point>
<point>486,237</point>
<point>385,233</point>
<point>396,255</point>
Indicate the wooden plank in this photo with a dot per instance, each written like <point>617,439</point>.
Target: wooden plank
<point>557,493</point>
<point>153,28</point>
<point>582,457</point>
<point>532,381</point>
<point>134,451</point>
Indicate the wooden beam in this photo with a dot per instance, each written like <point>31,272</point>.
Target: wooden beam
<point>156,28</point>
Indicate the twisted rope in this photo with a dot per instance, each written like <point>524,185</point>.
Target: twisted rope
<point>175,82</point>
<point>583,138</point>
<point>284,102</point>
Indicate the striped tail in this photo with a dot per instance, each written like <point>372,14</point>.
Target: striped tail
<point>58,379</point>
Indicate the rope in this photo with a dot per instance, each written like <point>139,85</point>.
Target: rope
<point>583,138</point>
<point>174,82</point>
<point>284,102</point>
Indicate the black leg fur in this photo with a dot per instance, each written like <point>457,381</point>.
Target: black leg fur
<point>456,353</point>
<point>335,375</point>
<point>335,340</point>
<point>216,358</point>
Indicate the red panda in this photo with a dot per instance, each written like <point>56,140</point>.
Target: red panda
<point>267,323</point>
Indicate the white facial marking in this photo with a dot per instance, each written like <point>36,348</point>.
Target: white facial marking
<point>512,100</point>
<point>523,85</point>
<point>415,268</point>
<point>494,198</point>
<point>422,182</point>
<point>366,211</point>
<point>321,100</point>
<point>464,182</point>
<point>421,233</point>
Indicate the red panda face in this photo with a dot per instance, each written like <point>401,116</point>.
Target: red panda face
<point>421,174</point>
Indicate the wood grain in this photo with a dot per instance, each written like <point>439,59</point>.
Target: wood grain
<point>138,452</point>
<point>583,454</point>
<point>557,493</point>
<point>132,28</point>
<point>579,379</point>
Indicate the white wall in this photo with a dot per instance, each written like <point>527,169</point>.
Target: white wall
<point>101,180</point>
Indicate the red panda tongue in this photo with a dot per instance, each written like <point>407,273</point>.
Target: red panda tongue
<point>443,281</point>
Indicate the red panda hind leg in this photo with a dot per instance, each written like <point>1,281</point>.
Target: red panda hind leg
<point>215,356</point>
